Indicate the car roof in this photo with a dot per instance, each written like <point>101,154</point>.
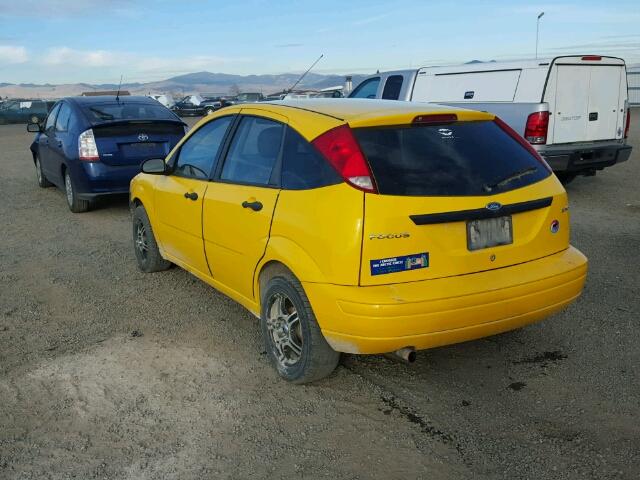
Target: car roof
<point>358,110</point>
<point>102,99</point>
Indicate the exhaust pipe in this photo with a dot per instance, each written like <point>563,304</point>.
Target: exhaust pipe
<point>404,355</point>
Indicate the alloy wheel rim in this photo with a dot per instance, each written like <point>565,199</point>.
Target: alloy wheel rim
<point>141,240</point>
<point>38,170</point>
<point>285,331</point>
<point>69,188</point>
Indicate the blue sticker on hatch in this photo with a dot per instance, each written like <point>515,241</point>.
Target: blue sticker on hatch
<point>399,264</point>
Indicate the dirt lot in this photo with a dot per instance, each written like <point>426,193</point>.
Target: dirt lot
<point>109,373</point>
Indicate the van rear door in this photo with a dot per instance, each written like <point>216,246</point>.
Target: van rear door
<point>454,199</point>
<point>586,101</point>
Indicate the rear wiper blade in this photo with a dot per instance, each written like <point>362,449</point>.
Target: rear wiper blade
<point>514,176</point>
<point>103,115</point>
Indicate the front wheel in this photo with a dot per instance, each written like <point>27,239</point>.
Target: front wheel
<point>42,180</point>
<point>293,339</point>
<point>145,245</point>
<point>76,205</point>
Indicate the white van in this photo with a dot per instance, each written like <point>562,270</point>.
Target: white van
<point>572,109</point>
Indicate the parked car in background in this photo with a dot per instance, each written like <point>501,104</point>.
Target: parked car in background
<point>24,111</point>
<point>361,226</point>
<point>164,99</point>
<point>573,109</point>
<point>248,97</point>
<point>93,146</point>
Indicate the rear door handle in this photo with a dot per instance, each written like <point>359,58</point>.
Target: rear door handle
<point>191,195</point>
<point>255,206</point>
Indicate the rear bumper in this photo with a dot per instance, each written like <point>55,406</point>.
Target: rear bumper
<point>443,311</point>
<point>96,179</point>
<point>585,157</point>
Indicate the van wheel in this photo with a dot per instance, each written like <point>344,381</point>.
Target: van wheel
<point>292,337</point>
<point>76,205</point>
<point>566,177</point>
<point>145,245</point>
<point>42,180</point>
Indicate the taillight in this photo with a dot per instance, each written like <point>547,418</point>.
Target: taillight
<point>435,119</point>
<point>592,58</point>
<point>627,123</point>
<point>521,141</point>
<point>341,149</point>
<point>87,148</point>
<point>537,126</point>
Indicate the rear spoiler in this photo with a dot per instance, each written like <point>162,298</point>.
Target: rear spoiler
<point>137,121</point>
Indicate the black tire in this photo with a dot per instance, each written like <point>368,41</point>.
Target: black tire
<point>566,177</point>
<point>42,179</point>
<point>76,205</point>
<point>209,111</point>
<point>145,245</point>
<point>34,119</point>
<point>316,358</point>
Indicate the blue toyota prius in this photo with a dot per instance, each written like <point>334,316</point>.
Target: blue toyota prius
<point>93,146</point>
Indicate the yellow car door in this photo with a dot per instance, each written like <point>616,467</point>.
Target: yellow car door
<point>179,196</point>
<point>239,203</point>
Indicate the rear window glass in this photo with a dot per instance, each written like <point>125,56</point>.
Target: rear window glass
<point>457,159</point>
<point>107,112</point>
<point>392,87</point>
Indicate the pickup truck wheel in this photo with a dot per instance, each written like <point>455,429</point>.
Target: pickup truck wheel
<point>42,180</point>
<point>76,205</point>
<point>566,177</point>
<point>293,339</point>
<point>145,245</point>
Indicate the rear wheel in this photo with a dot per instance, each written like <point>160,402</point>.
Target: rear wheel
<point>209,111</point>
<point>42,180</point>
<point>293,339</point>
<point>76,205</point>
<point>145,245</point>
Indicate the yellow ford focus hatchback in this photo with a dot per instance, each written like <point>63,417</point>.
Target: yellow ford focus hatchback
<point>361,226</point>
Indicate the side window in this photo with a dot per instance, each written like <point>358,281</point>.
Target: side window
<point>392,87</point>
<point>366,89</point>
<point>51,119</point>
<point>302,165</point>
<point>254,151</point>
<point>198,154</point>
<point>62,122</point>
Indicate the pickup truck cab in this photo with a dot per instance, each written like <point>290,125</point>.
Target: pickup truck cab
<point>573,109</point>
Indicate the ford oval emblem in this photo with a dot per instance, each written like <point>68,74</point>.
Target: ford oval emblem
<point>143,137</point>
<point>493,206</point>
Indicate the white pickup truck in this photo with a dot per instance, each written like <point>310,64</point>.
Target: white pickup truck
<point>573,109</point>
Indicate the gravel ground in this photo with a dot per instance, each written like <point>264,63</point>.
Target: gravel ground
<point>109,373</point>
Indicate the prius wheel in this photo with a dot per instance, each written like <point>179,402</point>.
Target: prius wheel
<point>145,245</point>
<point>42,180</point>
<point>293,339</point>
<point>76,205</point>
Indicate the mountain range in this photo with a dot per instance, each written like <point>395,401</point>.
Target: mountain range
<point>198,82</point>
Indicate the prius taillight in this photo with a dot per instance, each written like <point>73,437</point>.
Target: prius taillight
<point>537,127</point>
<point>522,142</point>
<point>87,148</point>
<point>341,149</point>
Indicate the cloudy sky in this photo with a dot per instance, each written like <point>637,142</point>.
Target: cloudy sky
<point>69,41</point>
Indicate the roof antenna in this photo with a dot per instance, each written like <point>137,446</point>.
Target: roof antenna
<point>305,74</point>
<point>118,92</point>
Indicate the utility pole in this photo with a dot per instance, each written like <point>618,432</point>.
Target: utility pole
<point>538,31</point>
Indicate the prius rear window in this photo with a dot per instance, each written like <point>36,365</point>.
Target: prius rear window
<point>456,159</point>
<point>107,112</point>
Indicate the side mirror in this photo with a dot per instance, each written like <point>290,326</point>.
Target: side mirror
<point>34,127</point>
<point>154,166</point>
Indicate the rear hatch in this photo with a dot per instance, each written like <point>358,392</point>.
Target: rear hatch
<point>586,97</point>
<point>455,198</point>
<point>133,142</point>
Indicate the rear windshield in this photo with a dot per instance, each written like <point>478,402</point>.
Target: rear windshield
<point>107,112</point>
<point>457,159</point>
